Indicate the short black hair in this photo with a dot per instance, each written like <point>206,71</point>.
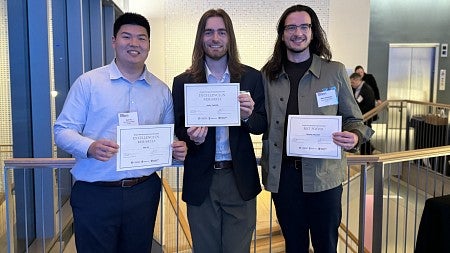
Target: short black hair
<point>359,67</point>
<point>130,18</point>
<point>355,76</point>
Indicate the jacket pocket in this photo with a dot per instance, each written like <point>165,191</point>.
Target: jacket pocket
<point>328,110</point>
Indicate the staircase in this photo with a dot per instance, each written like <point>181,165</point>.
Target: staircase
<point>265,243</point>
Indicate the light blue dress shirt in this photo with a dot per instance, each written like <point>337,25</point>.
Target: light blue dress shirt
<point>91,113</point>
<point>223,151</point>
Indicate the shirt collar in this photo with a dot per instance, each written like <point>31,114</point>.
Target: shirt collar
<point>360,86</point>
<point>114,73</point>
<point>316,65</point>
<point>209,74</point>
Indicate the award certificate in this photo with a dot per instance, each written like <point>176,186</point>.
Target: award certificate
<point>211,104</point>
<point>311,136</point>
<point>144,146</point>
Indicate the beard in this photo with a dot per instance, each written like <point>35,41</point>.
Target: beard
<point>215,53</point>
<point>215,57</point>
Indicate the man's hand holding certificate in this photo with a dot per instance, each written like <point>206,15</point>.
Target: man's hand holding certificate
<point>144,146</point>
<point>211,104</point>
<point>311,136</point>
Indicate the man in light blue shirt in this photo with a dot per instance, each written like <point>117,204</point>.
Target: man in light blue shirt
<point>114,211</point>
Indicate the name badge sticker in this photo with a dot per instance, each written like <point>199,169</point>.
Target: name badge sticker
<point>128,119</point>
<point>327,97</point>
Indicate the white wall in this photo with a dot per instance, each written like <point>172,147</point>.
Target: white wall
<point>348,32</point>
<point>173,27</point>
<point>154,12</point>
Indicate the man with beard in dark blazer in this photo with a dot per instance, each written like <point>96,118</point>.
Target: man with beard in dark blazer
<point>221,179</point>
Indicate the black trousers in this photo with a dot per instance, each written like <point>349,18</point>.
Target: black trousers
<point>301,214</point>
<point>366,148</point>
<point>115,219</point>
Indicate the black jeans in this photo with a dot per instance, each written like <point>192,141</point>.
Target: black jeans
<point>301,214</point>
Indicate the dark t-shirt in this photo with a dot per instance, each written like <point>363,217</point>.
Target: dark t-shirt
<point>295,72</point>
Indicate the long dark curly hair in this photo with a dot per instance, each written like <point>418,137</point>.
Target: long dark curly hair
<point>319,44</point>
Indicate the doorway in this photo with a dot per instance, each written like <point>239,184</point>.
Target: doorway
<point>412,72</point>
<point>412,75</point>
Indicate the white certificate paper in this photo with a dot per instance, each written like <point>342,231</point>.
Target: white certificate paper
<point>144,146</point>
<point>211,104</point>
<point>311,136</point>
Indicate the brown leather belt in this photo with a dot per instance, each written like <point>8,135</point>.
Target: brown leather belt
<point>127,182</point>
<point>223,165</point>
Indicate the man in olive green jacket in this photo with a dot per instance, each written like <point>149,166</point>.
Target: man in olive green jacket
<point>307,191</point>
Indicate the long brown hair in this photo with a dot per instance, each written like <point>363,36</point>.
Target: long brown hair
<point>319,44</point>
<point>197,69</point>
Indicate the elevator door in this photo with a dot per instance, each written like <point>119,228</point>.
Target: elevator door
<point>410,77</point>
<point>411,72</point>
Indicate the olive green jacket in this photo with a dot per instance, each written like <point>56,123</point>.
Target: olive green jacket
<point>318,174</point>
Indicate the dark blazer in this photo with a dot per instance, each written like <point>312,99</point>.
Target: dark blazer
<point>199,162</point>
<point>366,100</point>
<point>370,80</point>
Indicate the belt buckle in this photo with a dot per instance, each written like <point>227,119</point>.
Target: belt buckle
<point>127,183</point>
<point>297,164</point>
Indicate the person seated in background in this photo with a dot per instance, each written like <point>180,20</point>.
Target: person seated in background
<point>365,98</point>
<point>370,80</point>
